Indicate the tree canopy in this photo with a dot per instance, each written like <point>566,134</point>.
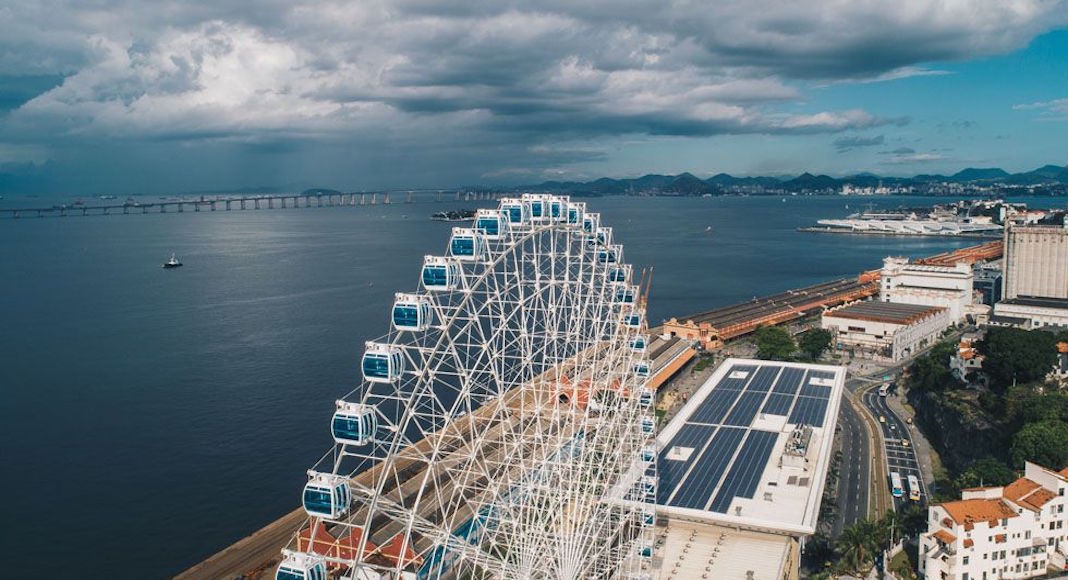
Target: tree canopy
<point>930,372</point>
<point>814,342</point>
<point>774,343</point>
<point>1042,442</point>
<point>1015,355</point>
<point>984,472</point>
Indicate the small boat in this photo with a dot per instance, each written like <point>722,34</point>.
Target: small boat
<point>172,263</point>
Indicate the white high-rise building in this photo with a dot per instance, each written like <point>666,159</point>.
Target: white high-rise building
<point>1035,292</point>
<point>1036,262</point>
<point>1015,531</point>
<point>948,287</point>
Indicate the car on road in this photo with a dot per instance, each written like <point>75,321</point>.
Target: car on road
<point>892,426</point>
<point>882,418</point>
<point>908,420</point>
<point>904,442</point>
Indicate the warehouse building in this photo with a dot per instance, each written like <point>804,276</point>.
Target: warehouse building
<point>1035,293</point>
<point>886,330</point>
<point>924,285</point>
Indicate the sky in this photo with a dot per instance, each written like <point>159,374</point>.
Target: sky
<point>124,96</point>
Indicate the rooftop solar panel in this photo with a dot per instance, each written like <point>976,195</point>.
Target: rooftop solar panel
<point>763,378</point>
<point>714,408</point>
<point>809,410</point>
<point>745,473</point>
<point>778,404</point>
<point>810,390</point>
<point>707,472</point>
<point>672,471</point>
<point>743,412</point>
<point>822,374</point>
<point>789,380</point>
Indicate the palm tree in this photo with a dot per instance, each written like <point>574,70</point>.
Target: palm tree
<point>854,545</point>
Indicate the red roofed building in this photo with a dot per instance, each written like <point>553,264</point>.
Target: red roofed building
<point>1015,531</point>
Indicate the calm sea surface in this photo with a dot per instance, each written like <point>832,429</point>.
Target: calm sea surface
<point>149,418</point>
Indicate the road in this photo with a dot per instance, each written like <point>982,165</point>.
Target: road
<point>854,470</point>
<point>899,457</point>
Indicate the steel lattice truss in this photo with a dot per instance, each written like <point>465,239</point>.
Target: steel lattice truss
<point>506,431</point>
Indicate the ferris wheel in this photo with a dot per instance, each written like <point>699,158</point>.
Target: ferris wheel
<point>502,428</point>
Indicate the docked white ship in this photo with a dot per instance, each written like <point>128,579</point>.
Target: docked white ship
<point>902,224</point>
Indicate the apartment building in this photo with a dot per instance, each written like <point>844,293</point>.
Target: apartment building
<point>1010,532</point>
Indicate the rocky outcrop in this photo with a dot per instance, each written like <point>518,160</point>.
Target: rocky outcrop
<point>957,427</point>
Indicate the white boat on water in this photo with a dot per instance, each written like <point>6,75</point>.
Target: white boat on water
<point>174,262</point>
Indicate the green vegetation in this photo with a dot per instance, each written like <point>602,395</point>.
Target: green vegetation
<point>1043,442</point>
<point>930,372</point>
<point>774,343</point>
<point>703,362</point>
<point>985,472</point>
<point>814,343</point>
<point>1016,356</point>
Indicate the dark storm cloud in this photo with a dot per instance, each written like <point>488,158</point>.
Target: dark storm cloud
<point>445,84</point>
<point>843,144</point>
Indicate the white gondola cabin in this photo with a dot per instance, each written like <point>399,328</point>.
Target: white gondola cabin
<point>604,236</point>
<point>491,223</point>
<point>515,211</point>
<point>632,319</point>
<point>412,312</point>
<point>575,212</point>
<point>618,274</point>
<point>648,453</point>
<point>648,426</point>
<point>607,256</point>
<point>638,343</point>
<point>645,398</point>
<point>557,211</point>
<point>539,207</point>
<point>641,368</point>
<point>301,566</point>
<point>467,244</point>
<point>354,424</point>
<point>591,222</point>
<point>625,295</point>
<point>440,273</point>
<point>382,363</point>
<point>326,495</point>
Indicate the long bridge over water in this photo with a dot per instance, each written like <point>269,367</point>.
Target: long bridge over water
<point>246,202</point>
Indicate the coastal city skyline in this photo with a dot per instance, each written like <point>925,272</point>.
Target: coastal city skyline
<point>395,95</point>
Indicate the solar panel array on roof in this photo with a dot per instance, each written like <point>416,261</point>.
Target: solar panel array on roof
<point>716,455</point>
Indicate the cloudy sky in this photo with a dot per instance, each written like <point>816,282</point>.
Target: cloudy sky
<point>142,96</point>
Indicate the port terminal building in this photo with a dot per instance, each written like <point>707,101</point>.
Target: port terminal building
<point>886,330</point>
<point>951,287</point>
<point>742,468</point>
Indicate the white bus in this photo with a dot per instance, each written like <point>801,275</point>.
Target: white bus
<point>895,484</point>
<point>914,488</point>
<point>884,389</point>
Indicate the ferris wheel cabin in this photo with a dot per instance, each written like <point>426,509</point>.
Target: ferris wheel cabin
<point>607,256</point>
<point>326,495</point>
<point>604,236</point>
<point>517,212</point>
<point>491,223</point>
<point>641,368</point>
<point>575,212</point>
<point>645,397</point>
<point>638,343</point>
<point>354,424</point>
<point>625,295</point>
<point>467,244</point>
<point>412,312</point>
<point>382,363</point>
<point>301,566</point>
<point>539,207</point>
<point>591,222</point>
<point>619,274</point>
<point>440,273</point>
<point>633,320</point>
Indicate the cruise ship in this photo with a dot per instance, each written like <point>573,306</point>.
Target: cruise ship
<point>908,224</point>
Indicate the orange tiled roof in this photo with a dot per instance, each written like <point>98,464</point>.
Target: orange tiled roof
<point>1064,472</point>
<point>1028,494</point>
<point>968,543</point>
<point>945,537</point>
<point>969,511</point>
<point>1000,538</point>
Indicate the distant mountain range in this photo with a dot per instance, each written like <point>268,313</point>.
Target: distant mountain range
<point>689,184</point>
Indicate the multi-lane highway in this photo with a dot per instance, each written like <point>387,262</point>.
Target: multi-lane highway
<point>898,446</point>
<point>854,470</point>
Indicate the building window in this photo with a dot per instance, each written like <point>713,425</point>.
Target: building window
<point>966,560</point>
